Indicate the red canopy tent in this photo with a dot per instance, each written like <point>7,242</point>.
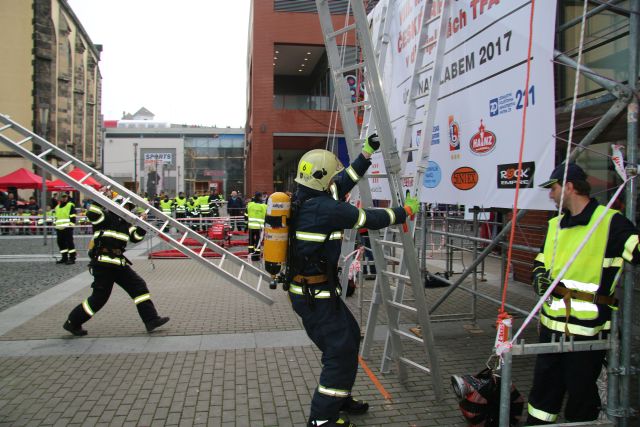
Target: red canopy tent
<point>22,178</point>
<point>77,174</point>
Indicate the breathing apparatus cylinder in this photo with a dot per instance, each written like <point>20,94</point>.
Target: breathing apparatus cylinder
<point>276,232</point>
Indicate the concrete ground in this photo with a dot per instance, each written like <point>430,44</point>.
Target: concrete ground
<point>224,359</point>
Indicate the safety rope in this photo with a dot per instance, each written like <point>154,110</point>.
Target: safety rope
<point>571,123</point>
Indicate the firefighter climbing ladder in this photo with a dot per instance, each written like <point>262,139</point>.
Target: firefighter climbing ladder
<point>376,102</point>
<point>237,271</point>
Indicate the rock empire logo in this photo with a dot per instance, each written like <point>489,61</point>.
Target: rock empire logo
<point>482,142</point>
<point>464,178</point>
<point>454,134</point>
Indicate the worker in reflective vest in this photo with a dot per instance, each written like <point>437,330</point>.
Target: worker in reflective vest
<point>582,302</point>
<point>166,205</point>
<point>319,215</point>
<point>65,213</point>
<point>256,212</point>
<point>180,203</point>
<point>108,265</point>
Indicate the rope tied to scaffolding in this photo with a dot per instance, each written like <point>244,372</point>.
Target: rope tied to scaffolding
<point>503,320</point>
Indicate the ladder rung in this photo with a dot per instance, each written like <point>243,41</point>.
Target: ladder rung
<point>406,335</point>
<point>65,165</point>
<point>341,31</point>
<point>424,95</point>
<point>391,258</point>
<point>350,68</point>
<point>410,149</point>
<point>377,175</point>
<point>417,122</point>
<point>404,307</point>
<point>202,249</point>
<point>358,104</point>
<point>241,271</point>
<point>429,43</point>
<point>397,275</point>
<point>161,229</point>
<point>432,20</point>
<point>85,177</point>
<point>5,127</point>
<point>390,243</point>
<point>222,258</point>
<point>414,364</point>
<point>425,68</point>
<point>29,138</point>
<point>184,236</point>
<point>44,153</point>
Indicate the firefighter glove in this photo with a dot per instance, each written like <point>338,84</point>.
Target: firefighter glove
<point>411,205</point>
<point>541,282</point>
<point>371,144</point>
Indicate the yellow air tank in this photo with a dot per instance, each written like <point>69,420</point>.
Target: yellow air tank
<point>276,232</point>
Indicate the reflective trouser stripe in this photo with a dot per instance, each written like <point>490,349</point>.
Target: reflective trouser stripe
<point>87,309</point>
<point>392,215</point>
<point>72,251</point>
<point>334,392</point>
<point>142,298</point>
<point>541,415</point>
<point>64,251</point>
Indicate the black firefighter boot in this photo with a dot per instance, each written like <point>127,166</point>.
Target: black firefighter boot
<point>76,330</point>
<point>72,259</point>
<point>155,323</point>
<point>354,407</point>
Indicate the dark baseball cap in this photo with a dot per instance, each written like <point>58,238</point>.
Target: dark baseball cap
<point>574,173</point>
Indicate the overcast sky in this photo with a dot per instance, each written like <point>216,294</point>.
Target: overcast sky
<point>185,61</point>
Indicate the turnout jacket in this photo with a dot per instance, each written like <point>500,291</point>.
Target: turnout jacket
<point>110,237</point>
<point>593,272</point>
<point>321,218</point>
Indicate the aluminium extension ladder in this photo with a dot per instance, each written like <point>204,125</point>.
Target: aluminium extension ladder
<point>237,271</point>
<point>411,118</point>
<point>376,102</point>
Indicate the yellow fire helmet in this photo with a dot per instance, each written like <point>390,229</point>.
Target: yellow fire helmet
<point>316,169</point>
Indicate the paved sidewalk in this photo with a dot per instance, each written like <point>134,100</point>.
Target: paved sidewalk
<point>224,358</point>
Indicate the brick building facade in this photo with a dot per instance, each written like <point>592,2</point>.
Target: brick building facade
<point>49,78</point>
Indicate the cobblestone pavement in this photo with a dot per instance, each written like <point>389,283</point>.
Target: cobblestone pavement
<point>202,368</point>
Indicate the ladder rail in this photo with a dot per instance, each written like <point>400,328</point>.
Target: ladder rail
<point>120,210</point>
<point>393,165</point>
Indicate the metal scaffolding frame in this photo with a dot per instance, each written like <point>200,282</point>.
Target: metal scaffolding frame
<point>620,368</point>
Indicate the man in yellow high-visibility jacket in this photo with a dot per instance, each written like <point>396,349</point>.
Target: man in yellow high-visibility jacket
<point>65,213</point>
<point>256,212</point>
<point>581,304</point>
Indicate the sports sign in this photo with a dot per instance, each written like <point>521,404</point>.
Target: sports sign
<point>475,140</point>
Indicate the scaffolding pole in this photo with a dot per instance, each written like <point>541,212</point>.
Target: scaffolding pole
<point>626,95</point>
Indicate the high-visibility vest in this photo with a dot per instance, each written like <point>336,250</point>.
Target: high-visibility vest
<point>63,215</point>
<point>181,204</point>
<point>203,204</point>
<point>165,206</point>
<point>583,275</point>
<point>255,214</point>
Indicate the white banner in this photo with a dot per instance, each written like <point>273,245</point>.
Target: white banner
<point>476,136</point>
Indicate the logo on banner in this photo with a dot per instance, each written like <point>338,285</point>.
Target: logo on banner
<point>482,142</point>
<point>435,135</point>
<point>508,175</point>
<point>454,134</point>
<point>433,175</point>
<point>464,178</point>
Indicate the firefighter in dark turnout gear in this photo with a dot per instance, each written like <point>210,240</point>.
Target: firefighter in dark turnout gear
<point>108,266</point>
<point>319,217</point>
<point>65,213</point>
<point>581,304</point>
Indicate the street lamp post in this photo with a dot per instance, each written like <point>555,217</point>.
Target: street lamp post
<point>44,122</point>
<point>135,167</point>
